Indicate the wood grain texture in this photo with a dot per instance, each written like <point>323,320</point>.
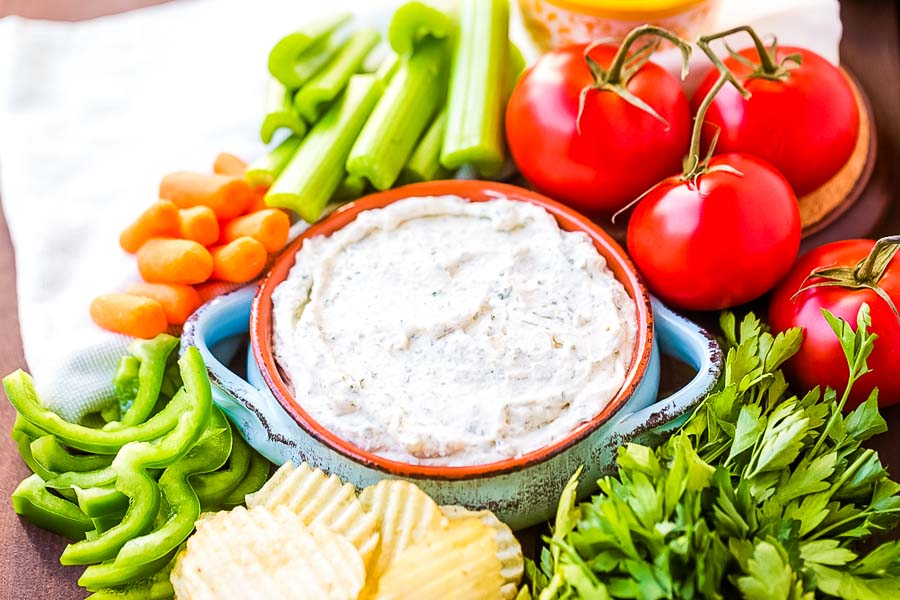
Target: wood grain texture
<point>29,565</point>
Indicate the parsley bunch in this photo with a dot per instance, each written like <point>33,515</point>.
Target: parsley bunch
<point>761,495</point>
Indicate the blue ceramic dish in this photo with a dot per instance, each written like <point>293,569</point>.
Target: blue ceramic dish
<point>521,495</point>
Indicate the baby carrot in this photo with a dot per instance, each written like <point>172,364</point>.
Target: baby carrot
<point>177,301</point>
<point>160,220</point>
<point>174,261</point>
<point>131,315</point>
<point>229,164</point>
<point>227,195</point>
<point>269,227</point>
<point>239,260</point>
<point>198,224</point>
<point>258,200</point>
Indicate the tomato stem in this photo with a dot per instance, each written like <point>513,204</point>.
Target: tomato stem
<point>625,65</point>
<point>871,269</point>
<point>693,165</point>
<point>614,75</point>
<point>768,68</point>
<point>866,274</point>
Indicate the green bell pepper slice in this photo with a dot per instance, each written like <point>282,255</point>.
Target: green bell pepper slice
<point>107,575</point>
<point>154,358</point>
<point>53,456</point>
<point>212,488</point>
<point>23,433</point>
<point>98,501</point>
<point>181,502</point>
<point>126,382</point>
<point>256,477</point>
<point>34,502</point>
<point>133,461</point>
<point>22,395</point>
<point>154,587</point>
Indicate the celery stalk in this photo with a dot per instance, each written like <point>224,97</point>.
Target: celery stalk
<point>315,59</point>
<point>478,84</point>
<point>316,169</point>
<point>413,22</point>
<point>280,112</point>
<point>351,188</point>
<point>412,96</point>
<point>388,68</point>
<point>265,169</point>
<point>425,163</point>
<point>288,51</point>
<point>329,82</point>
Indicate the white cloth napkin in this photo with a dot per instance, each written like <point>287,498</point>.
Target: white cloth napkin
<point>92,114</point>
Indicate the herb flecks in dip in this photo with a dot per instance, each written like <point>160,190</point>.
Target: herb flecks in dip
<point>439,331</point>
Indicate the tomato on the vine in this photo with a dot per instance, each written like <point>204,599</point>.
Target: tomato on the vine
<point>722,233</point>
<point>840,277</point>
<point>720,240</point>
<point>802,115</point>
<point>594,127</point>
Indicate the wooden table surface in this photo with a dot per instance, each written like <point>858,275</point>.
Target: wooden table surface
<point>29,566</point>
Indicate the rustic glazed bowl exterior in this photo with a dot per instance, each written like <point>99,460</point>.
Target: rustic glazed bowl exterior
<point>522,491</point>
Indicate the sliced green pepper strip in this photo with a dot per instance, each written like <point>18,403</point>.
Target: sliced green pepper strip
<point>133,461</point>
<point>425,162</point>
<point>415,21</point>
<point>264,170</point>
<point>330,81</point>
<point>99,501</point>
<point>211,488</point>
<point>107,574</point>
<point>32,501</point>
<point>182,504</point>
<point>126,382</point>
<point>411,99</point>
<point>111,413</point>
<point>293,49</point>
<point>478,85</point>
<point>170,385</point>
<point>22,395</point>
<point>53,456</point>
<point>104,523</point>
<point>141,590</point>
<point>154,587</point>
<point>23,433</point>
<point>314,172</point>
<point>154,357</point>
<point>256,477</point>
<point>280,113</point>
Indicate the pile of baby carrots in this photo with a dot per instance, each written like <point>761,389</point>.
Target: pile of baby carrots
<point>205,227</point>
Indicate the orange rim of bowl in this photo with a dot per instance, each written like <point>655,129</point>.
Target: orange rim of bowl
<point>261,339</point>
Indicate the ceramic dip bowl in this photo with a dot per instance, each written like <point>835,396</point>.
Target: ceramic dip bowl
<point>522,491</point>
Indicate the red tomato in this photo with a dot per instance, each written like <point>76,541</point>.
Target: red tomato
<point>621,151</point>
<point>820,360</point>
<point>719,241</point>
<point>805,125</point>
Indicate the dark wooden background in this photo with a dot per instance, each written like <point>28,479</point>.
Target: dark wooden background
<point>29,566</point>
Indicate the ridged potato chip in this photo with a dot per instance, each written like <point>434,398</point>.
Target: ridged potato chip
<point>320,499</point>
<point>456,562</point>
<point>266,554</point>
<point>509,551</point>
<point>404,514</point>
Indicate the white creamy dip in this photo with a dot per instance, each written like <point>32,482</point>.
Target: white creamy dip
<point>443,332</point>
